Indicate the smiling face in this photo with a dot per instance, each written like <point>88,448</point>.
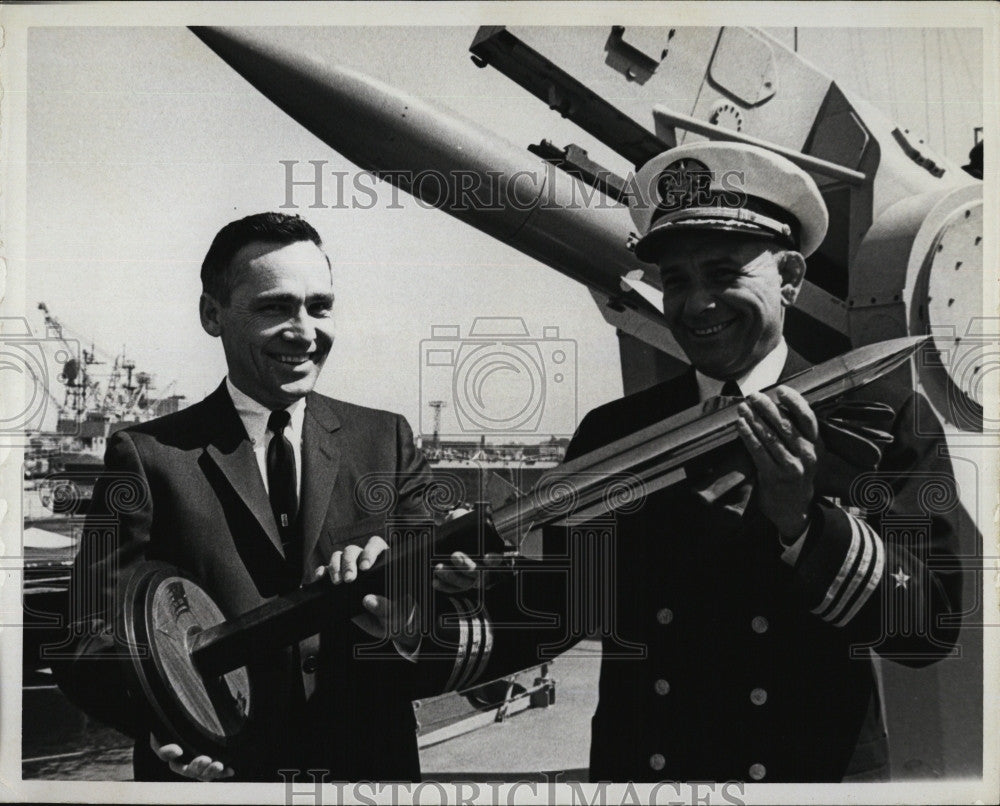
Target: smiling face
<point>277,328</point>
<point>724,297</point>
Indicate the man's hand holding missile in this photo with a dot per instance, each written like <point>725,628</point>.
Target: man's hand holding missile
<point>463,574</point>
<point>397,620</point>
<point>783,441</point>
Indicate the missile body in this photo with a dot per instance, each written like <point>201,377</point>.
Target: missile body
<point>449,162</point>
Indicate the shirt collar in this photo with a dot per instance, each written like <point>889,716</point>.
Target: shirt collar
<point>764,374</point>
<point>255,416</point>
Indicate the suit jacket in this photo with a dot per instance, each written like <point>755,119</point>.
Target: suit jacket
<point>720,660</point>
<point>186,489</point>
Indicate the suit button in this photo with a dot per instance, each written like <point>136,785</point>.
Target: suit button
<point>758,771</point>
<point>661,687</point>
<point>657,761</point>
<point>758,696</point>
<point>310,664</point>
<point>664,615</point>
<point>759,625</point>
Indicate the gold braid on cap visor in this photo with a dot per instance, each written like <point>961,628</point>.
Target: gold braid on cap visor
<point>739,218</point>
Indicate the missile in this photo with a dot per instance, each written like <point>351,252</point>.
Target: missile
<point>450,163</point>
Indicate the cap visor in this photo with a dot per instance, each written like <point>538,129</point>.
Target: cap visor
<point>650,248</point>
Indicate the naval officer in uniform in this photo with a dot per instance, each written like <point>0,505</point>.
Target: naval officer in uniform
<point>743,620</point>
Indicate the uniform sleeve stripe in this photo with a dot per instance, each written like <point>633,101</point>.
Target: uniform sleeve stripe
<point>462,653</point>
<point>874,577</point>
<point>485,649</point>
<point>858,574</point>
<point>472,656</point>
<point>845,567</point>
<point>856,569</point>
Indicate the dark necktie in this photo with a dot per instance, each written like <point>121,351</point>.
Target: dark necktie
<point>731,389</point>
<point>281,477</point>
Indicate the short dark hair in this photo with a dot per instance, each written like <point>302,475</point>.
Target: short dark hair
<point>217,276</point>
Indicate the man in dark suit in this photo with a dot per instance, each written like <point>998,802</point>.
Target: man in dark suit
<point>742,618</point>
<point>255,490</point>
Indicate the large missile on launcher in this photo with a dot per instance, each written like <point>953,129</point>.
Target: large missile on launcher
<point>455,165</point>
<point>903,253</point>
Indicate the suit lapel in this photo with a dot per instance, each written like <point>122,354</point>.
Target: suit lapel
<point>794,364</point>
<point>321,451</point>
<point>684,392</point>
<point>669,398</point>
<point>229,447</point>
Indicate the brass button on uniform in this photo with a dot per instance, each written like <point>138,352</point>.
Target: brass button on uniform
<point>664,615</point>
<point>759,625</point>
<point>661,687</point>
<point>657,761</point>
<point>309,664</point>
<point>758,696</point>
<point>758,771</point>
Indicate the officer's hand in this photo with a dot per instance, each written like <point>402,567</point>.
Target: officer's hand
<point>201,768</point>
<point>463,573</point>
<point>783,443</point>
<point>345,563</point>
<point>395,620</point>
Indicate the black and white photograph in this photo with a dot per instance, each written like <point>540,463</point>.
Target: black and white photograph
<point>509,402</point>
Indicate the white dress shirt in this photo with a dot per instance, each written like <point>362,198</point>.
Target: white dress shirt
<point>255,417</point>
<point>765,373</point>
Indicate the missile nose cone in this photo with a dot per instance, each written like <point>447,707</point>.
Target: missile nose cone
<point>342,107</point>
<point>916,342</point>
<point>890,350</point>
<point>855,368</point>
<point>239,49</point>
<point>296,83</point>
<point>872,361</point>
<point>235,45</point>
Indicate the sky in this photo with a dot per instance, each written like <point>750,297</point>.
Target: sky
<point>142,143</point>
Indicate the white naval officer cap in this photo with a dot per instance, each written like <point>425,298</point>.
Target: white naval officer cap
<point>725,186</point>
